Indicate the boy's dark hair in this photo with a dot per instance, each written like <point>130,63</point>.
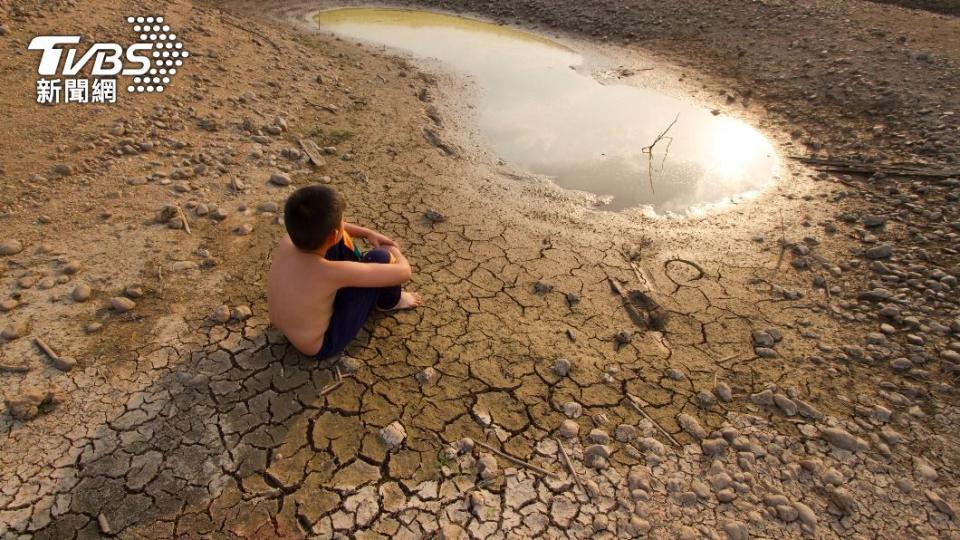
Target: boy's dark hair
<point>311,214</point>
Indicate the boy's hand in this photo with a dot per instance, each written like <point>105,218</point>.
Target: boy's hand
<point>379,240</point>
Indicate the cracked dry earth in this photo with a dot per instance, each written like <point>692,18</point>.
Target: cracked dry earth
<point>792,359</point>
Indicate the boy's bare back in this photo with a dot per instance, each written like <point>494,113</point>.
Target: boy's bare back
<point>300,295</point>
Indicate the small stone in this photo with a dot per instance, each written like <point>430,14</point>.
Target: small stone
<point>221,314</point>
<point>133,291</point>
<point>561,367</point>
<point>763,339</point>
<point>27,404</point>
<point>691,426</point>
<point>766,352</point>
<point>625,433</point>
<point>806,515</point>
<point>71,267</point>
<point>623,337</point>
<point>349,365</point>
<point>10,247</point>
<point>879,252</point>
<point>572,409</point>
<point>705,399</point>
<point>15,330</point>
<point>598,436</point>
<point>464,445</point>
<point>427,376</point>
<point>569,429</point>
<point>92,328</point>
<point>715,446</point>
<point>840,438</point>
<point>487,467</point>
<point>241,313</point>
<point>243,229</point>
<point>393,435</point>
<point>280,179</point>
<point>723,392</point>
<point>81,293</point>
<point>433,216</point>
<point>764,398</point>
<point>785,404</point>
<point>8,305</point>
<point>787,513</point>
<point>941,504</point>
<point>121,304</point>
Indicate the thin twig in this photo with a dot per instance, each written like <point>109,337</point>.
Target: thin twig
<point>637,403</point>
<point>649,149</point>
<point>13,368</point>
<point>517,460</point>
<point>183,218</point>
<point>573,471</point>
<point>330,388</point>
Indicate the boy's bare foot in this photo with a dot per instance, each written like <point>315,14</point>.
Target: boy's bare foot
<point>408,300</point>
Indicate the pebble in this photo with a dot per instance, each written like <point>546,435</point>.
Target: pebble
<point>8,305</point>
<point>27,404</point>
<point>426,376</point>
<point>244,229</point>
<point>121,304</point>
<point>487,467</point>
<point>561,367</point>
<point>691,426</point>
<point>81,293</point>
<point>883,251</point>
<point>241,313</point>
<point>280,179</point>
<point>715,446</point>
<point>71,267</point>
<point>10,247</point>
<point>625,433</point>
<point>723,392</point>
<point>598,436</point>
<point>15,330</point>
<point>572,409</point>
<point>785,404</point>
<point>349,364</point>
<point>92,328</point>
<point>433,216</point>
<point>569,429</point>
<point>393,435</point>
<point>221,314</point>
<point>840,438</point>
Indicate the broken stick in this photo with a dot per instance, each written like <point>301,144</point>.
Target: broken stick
<point>639,404</point>
<point>573,472</point>
<point>183,218</point>
<point>517,460</point>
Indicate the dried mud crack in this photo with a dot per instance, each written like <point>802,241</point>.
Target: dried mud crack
<point>783,369</point>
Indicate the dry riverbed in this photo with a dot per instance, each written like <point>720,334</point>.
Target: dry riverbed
<point>785,368</point>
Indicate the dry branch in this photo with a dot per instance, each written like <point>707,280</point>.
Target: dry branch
<point>639,404</point>
<point>517,460</point>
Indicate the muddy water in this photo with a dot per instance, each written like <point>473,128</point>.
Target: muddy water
<point>540,113</point>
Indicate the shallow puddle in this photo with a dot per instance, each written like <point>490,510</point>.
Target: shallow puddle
<point>541,114</point>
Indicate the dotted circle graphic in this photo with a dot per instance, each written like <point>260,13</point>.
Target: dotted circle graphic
<point>167,52</point>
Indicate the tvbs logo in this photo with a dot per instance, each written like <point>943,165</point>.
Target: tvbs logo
<point>152,62</point>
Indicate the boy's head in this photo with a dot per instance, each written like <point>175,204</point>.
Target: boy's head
<point>312,214</point>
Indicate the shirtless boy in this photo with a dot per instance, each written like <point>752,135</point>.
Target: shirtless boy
<point>320,289</point>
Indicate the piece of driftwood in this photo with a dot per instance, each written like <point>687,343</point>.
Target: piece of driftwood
<point>47,350</point>
<point>848,166</point>
<point>639,404</point>
<point>312,151</point>
<point>517,460</point>
<point>573,471</point>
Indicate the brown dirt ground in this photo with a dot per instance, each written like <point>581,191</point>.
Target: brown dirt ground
<point>174,425</point>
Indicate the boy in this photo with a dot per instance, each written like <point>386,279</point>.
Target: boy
<point>320,289</point>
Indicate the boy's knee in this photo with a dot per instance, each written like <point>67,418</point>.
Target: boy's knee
<point>378,255</point>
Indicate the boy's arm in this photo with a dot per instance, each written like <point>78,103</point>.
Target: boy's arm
<point>357,274</point>
<point>373,237</point>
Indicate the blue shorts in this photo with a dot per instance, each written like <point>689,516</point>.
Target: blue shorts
<point>353,305</point>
